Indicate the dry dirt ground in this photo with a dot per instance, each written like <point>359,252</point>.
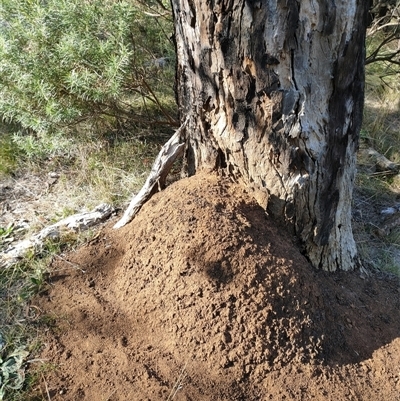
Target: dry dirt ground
<point>204,298</point>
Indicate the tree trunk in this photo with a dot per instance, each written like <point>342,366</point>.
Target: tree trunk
<point>274,94</point>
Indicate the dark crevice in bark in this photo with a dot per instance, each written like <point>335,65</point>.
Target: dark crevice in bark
<point>268,60</point>
<point>240,51</point>
<point>225,40</point>
<point>190,159</point>
<point>292,64</point>
<point>328,16</point>
<point>251,90</point>
<point>292,21</point>
<point>321,260</point>
<point>314,207</point>
<point>193,13</point>
<point>221,160</point>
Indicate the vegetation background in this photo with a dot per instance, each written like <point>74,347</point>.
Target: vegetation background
<point>86,96</point>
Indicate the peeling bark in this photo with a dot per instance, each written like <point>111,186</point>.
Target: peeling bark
<point>274,95</point>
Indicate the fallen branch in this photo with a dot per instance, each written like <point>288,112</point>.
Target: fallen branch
<point>382,164</point>
<point>76,222</point>
<point>156,179</point>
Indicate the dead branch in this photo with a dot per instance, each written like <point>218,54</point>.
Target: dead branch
<point>382,164</point>
<point>76,222</point>
<point>156,179</point>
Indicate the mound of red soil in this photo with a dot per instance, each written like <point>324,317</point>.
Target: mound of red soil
<point>203,297</point>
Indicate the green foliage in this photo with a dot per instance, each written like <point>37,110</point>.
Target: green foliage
<point>28,150</point>
<point>63,63</point>
<point>41,146</point>
<point>12,375</point>
<point>8,152</point>
<point>13,336</point>
<point>6,235</point>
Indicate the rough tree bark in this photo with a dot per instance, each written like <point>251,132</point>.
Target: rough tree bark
<point>274,95</point>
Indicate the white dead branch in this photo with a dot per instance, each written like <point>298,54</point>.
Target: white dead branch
<point>382,164</point>
<point>156,15</point>
<point>156,179</point>
<point>76,222</point>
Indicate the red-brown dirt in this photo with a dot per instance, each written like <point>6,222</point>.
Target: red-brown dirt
<point>204,298</point>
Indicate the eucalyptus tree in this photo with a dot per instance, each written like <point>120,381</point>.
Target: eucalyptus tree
<point>273,95</point>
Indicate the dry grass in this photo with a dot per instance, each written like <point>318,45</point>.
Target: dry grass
<point>378,234</point>
<point>45,186</point>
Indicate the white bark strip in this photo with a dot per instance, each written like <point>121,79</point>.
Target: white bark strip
<point>161,167</point>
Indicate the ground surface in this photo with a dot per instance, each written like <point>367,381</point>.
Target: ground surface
<point>203,294</point>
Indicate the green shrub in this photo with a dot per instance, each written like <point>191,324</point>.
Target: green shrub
<point>65,63</point>
<point>7,155</point>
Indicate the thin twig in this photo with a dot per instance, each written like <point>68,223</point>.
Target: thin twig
<point>76,266</point>
<point>178,384</point>
<point>166,114</point>
<point>109,396</point>
<point>47,389</point>
<point>37,360</point>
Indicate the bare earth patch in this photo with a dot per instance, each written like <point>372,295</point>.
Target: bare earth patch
<point>203,297</point>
